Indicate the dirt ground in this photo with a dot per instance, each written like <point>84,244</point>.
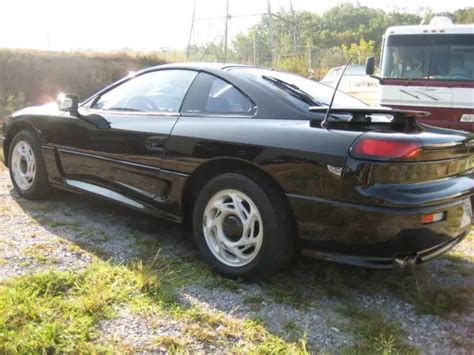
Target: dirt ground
<point>326,307</point>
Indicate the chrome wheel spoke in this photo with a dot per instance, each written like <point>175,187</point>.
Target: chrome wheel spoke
<point>243,245</point>
<point>23,165</point>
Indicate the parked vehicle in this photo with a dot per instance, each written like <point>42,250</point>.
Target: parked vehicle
<point>430,68</point>
<point>255,162</point>
<point>355,82</point>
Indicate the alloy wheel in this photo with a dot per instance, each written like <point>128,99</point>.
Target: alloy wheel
<point>23,165</point>
<point>233,227</point>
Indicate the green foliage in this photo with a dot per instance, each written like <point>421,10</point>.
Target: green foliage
<point>305,40</point>
<point>56,312</point>
<point>375,333</point>
<point>36,77</point>
<point>59,312</point>
<point>10,104</point>
<point>464,16</point>
<point>359,52</point>
<point>294,65</point>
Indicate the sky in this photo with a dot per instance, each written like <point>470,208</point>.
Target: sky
<point>151,24</point>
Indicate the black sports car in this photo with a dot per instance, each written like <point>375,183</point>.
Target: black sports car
<point>252,159</point>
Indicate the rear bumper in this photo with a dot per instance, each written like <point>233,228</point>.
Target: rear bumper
<point>387,263</point>
<point>377,236</point>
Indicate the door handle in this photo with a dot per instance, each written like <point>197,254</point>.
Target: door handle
<point>155,143</point>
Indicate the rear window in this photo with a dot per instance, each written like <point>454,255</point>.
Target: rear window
<point>321,94</point>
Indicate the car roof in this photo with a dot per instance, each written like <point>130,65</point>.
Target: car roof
<point>199,66</point>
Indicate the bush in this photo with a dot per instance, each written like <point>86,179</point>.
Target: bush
<point>36,77</point>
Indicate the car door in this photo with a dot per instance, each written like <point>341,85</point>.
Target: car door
<point>119,140</point>
<point>213,112</point>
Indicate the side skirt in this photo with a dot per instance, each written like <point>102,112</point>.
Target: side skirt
<point>78,186</point>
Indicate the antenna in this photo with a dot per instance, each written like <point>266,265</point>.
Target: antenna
<point>326,118</point>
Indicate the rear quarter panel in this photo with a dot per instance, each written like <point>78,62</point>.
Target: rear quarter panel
<point>295,154</point>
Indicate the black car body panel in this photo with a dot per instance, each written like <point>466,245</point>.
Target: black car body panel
<point>364,212</point>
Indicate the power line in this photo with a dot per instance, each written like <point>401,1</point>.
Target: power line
<point>228,16</point>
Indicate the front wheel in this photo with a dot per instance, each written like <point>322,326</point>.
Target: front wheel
<point>26,165</point>
<point>242,229</point>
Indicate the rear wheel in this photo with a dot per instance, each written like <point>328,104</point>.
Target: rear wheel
<point>26,165</point>
<point>241,228</point>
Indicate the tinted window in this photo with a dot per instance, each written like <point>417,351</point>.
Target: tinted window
<point>159,91</point>
<point>320,93</point>
<point>210,94</point>
<point>453,62</point>
<point>406,57</point>
<point>442,56</point>
<point>355,70</point>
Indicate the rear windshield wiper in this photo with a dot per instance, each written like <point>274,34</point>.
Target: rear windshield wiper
<point>298,93</point>
<point>292,90</point>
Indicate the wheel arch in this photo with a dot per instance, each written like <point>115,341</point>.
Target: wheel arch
<point>212,168</point>
<point>12,131</point>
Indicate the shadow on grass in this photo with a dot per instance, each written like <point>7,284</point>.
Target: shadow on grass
<point>122,236</point>
<point>421,286</point>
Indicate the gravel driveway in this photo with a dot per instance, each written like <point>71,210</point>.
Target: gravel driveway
<point>333,308</point>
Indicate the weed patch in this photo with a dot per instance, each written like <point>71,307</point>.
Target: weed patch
<point>375,334</point>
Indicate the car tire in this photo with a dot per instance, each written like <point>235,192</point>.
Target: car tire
<point>243,228</point>
<point>27,168</point>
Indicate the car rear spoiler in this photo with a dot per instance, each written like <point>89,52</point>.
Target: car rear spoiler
<point>370,111</point>
<point>399,115</point>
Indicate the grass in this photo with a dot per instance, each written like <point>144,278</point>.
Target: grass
<point>441,302</point>
<point>374,333</point>
<point>42,253</point>
<point>293,331</point>
<point>59,311</point>
<point>254,301</point>
<point>284,292</point>
<point>171,344</point>
<point>59,224</point>
<point>419,286</point>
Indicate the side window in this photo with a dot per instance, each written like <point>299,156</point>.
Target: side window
<point>158,91</point>
<point>210,94</point>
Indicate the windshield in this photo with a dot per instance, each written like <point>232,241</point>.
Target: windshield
<point>355,70</point>
<point>441,57</point>
<point>320,94</point>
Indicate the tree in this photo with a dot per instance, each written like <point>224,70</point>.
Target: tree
<point>360,52</point>
<point>358,29</point>
<point>464,16</point>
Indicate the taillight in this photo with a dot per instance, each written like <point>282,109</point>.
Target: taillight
<point>382,149</point>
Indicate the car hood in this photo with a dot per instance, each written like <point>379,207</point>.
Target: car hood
<point>48,109</point>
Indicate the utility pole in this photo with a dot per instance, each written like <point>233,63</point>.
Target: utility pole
<point>226,30</point>
<point>310,55</point>
<point>191,29</point>
<point>295,48</point>
<point>270,24</point>
<point>254,49</point>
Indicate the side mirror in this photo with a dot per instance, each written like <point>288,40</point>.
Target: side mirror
<point>370,66</point>
<point>68,103</point>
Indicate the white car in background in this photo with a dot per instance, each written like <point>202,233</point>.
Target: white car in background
<point>355,83</point>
